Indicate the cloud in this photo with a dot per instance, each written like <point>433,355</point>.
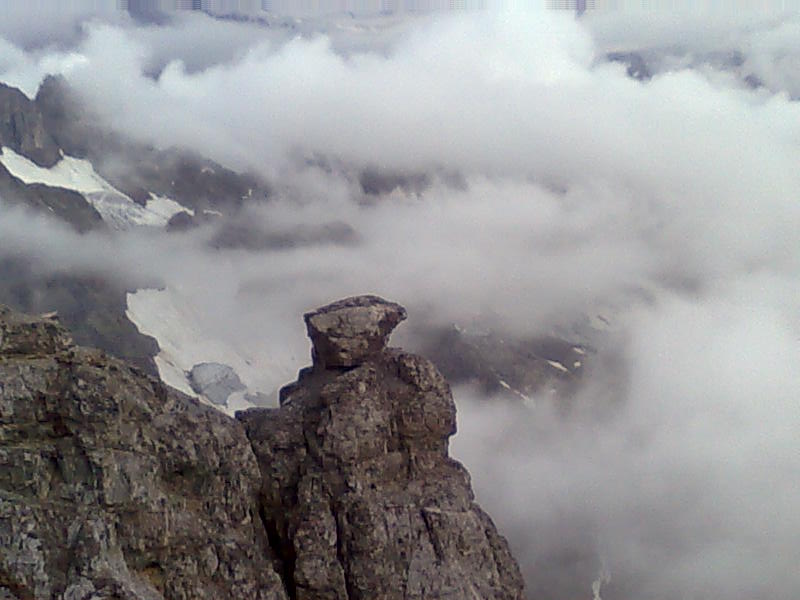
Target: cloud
<point>551,187</point>
<point>678,484</point>
<point>38,25</point>
<point>27,70</point>
<point>332,104</point>
<point>760,46</point>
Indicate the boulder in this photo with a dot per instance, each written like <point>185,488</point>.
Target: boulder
<point>349,331</point>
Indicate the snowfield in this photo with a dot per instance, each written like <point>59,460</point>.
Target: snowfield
<point>77,174</point>
<point>169,318</point>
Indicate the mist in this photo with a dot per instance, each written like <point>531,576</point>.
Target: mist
<point>552,186</point>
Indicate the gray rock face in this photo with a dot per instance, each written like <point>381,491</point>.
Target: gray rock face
<point>112,486</point>
<point>22,128</point>
<point>359,496</point>
<point>215,381</point>
<point>30,336</point>
<point>347,332</point>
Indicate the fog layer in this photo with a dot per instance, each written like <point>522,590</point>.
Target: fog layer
<point>553,187</point>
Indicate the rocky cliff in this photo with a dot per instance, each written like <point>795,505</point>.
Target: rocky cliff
<point>22,128</point>
<point>115,486</point>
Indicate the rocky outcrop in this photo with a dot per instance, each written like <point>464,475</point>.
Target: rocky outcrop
<point>90,306</point>
<point>22,128</point>
<point>347,332</point>
<point>113,486</point>
<point>359,497</point>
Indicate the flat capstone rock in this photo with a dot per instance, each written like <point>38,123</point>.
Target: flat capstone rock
<point>347,332</point>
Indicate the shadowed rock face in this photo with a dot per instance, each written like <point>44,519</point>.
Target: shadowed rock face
<point>519,369</point>
<point>113,486</point>
<point>22,128</point>
<point>359,496</point>
<point>67,205</point>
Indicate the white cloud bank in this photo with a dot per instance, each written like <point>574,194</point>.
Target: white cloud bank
<point>674,201</point>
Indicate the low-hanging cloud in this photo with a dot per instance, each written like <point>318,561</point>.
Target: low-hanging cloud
<point>679,485</point>
<point>671,204</point>
<point>762,48</point>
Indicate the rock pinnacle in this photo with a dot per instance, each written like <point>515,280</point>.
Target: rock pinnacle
<point>347,332</point>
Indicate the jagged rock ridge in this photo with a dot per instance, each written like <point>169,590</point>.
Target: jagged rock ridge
<point>114,486</point>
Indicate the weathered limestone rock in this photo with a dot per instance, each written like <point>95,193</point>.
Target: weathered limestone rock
<point>359,496</point>
<point>113,486</point>
<point>349,331</point>
<point>24,335</point>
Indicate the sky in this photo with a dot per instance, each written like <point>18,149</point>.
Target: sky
<point>555,187</point>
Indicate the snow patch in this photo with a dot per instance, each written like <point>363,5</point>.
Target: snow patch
<point>557,365</point>
<point>78,174</point>
<point>166,208</point>
<point>527,400</point>
<point>71,173</point>
<point>168,317</point>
